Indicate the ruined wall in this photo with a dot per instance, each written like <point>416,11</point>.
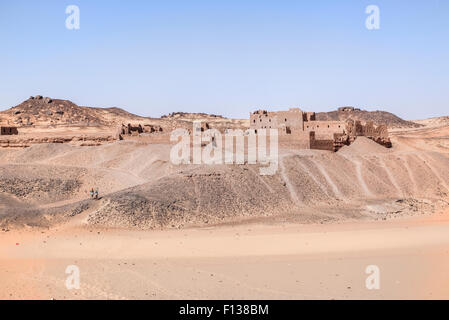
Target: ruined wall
<point>137,129</point>
<point>295,127</point>
<point>260,119</point>
<point>151,128</point>
<point>287,122</point>
<point>370,130</point>
<point>291,121</point>
<point>130,130</point>
<point>325,129</point>
<point>300,129</point>
<point>309,116</point>
<point>294,121</point>
<point>378,134</point>
<point>327,144</point>
<point>4,131</point>
<point>298,140</point>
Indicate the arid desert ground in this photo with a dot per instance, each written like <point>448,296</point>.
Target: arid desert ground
<point>165,231</point>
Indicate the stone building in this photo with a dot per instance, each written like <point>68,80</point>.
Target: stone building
<point>136,130</point>
<point>294,121</point>
<point>301,129</point>
<point>348,109</point>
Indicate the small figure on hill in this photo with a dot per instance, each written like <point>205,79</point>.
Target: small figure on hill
<point>92,193</point>
<point>96,194</point>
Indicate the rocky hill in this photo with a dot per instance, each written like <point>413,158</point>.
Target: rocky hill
<point>192,116</point>
<point>378,117</point>
<point>434,122</point>
<point>140,188</point>
<point>47,111</point>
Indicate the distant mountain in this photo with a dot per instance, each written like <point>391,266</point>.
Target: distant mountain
<point>378,117</point>
<point>434,122</point>
<point>188,116</point>
<point>46,111</point>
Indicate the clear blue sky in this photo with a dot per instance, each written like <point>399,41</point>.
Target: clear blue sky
<point>228,57</point>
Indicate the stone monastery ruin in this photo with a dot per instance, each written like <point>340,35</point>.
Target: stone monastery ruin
<point>301,129</point>
<point>135,130</point>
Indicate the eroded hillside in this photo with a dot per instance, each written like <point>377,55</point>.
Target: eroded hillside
<point>378,117</point>
<point>139,187</point>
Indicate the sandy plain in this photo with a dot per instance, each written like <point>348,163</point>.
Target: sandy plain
<point>362,206</point>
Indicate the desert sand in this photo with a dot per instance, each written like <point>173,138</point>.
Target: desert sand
<point>233,262</point>
<point>164,231</point>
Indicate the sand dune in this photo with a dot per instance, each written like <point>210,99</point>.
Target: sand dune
<point>141,188</point>
<point>234,262</point>
<point>307,232</point>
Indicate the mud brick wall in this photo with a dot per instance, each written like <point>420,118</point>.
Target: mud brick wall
<point>320,144</point>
